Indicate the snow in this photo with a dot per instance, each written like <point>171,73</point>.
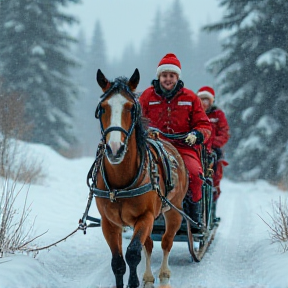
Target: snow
<point>251,143</point>
<point>38,50</point>
<point>268,125</point>
<point>275,57</point>
<point>247,113</point>
<point>241,256</point>
<point>251,18</point>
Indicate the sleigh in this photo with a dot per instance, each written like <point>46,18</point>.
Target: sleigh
<point>198,239</point>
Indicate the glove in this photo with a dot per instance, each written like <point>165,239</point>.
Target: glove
<point>194,137</point>
<point>191,139</point>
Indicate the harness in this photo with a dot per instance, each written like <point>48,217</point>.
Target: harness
<point>114,194</point>
<point>146,156</point>
<point>166,161</point>
<point>153,184</point>
<point>130,191</point>
<point>175,136</point>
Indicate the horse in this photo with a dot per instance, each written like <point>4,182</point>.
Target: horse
<point>124,193</point>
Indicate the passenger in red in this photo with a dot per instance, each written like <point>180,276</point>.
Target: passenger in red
<point>220,134</point>
<point>175,109</point>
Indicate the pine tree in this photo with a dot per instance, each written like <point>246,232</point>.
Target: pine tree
<point>97,59</point>
<point>252,78</point>
<point>79,107</point>
<point>129,61</point>
<point>207,48</point>
<point>153,49</point>
<point>35,63</point>
<point>169,33</point>
<point>178,40</point>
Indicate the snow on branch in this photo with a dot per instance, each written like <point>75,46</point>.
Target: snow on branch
<point>253,17</point>
<point>275,57</point>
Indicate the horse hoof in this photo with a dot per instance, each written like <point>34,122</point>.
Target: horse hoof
<point>148,285</point>
<point>164,280</point>
<point>148,278</point>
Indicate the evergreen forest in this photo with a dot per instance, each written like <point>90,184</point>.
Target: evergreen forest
<point>48,76</point>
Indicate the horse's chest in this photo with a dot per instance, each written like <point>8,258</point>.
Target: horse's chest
<point>120,213</point>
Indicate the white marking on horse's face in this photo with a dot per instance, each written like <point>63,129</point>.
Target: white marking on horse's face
<point>116,104</point>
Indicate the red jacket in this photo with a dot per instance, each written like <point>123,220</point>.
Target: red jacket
<point>182,113</point>
<point>220,132</point>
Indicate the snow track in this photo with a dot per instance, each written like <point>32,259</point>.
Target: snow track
<point>240,256</point>
<point>230,262</point>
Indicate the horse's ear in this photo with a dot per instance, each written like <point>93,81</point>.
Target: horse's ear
<point>102,81</point>
<point>134,80</point>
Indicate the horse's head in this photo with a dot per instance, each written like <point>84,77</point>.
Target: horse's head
<point>118,112</point>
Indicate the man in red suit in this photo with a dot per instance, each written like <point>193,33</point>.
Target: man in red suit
<point>219,136</point>
<point>174,109</point>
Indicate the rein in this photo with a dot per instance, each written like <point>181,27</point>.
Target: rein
<point>176,136</point>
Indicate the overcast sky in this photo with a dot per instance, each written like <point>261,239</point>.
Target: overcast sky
<point>128,21</point>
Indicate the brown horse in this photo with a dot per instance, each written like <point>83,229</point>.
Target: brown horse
<point>124,193</point>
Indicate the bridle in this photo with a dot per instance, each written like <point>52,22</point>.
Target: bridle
<point>135,112</point>
<point>131,190</point>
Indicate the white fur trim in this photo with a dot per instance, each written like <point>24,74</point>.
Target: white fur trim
<point>168,68</point>
<point>205,94</point>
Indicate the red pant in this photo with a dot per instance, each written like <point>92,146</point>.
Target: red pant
<point>218,174</point>
<point>194,167</point>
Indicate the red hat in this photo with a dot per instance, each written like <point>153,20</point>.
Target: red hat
<point>206,92</point>
<point>169,63</point>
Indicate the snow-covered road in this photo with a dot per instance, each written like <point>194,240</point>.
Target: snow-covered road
<point>239,257</point>
<point>235,258</point>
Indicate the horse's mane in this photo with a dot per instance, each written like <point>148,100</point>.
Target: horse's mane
<point>141,129</point>
<point>121,84</point>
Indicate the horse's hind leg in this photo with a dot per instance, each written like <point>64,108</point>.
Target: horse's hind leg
<point>173,222</point>
<point>113,236</point>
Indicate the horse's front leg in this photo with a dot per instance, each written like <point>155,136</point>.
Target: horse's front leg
<point>113,236</point>
<point>142,230</point>
<point>148,277</point>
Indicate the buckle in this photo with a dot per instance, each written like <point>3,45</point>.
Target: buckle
<point>112,195</point>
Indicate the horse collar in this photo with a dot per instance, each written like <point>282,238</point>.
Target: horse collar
<point>127,192</point>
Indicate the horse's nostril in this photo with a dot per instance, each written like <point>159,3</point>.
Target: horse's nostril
<point>114,149</point>
<point>120,150</point>
<point>115,156</point>
<point>108,149</point>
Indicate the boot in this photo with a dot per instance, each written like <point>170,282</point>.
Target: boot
<point>196,211</point>
<point>193,209</point>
